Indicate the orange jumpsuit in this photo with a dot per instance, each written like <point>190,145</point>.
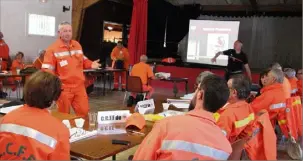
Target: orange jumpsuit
<point>293,86</point>
<point>15,65</point>
<point>29,133</point>
<point>68,62</point>
<point>145,72</point>
<point>262,145</point>
<point>191,136</point>
<point>234,118</point>
<point>4,54</point>
<point>120,54</point>
<point>272,99</point>
<point>286,88</point>
<point>37,63</point>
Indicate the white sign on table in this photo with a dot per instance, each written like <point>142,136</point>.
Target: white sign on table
<point>110,117</point>
<point>145,107</point>
<point>110,129</point>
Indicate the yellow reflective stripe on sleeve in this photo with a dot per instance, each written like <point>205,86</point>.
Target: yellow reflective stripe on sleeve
<point>245,121</point>
<point>296,102</point>
<point>282,122</point>
<point>216,116</point>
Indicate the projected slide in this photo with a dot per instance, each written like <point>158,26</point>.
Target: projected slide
<point>206,38</point>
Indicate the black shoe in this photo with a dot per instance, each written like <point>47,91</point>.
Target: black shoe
<point>130,101</point>
<point>139,97</point>
<point>123,90</point>
<point>3,95</point>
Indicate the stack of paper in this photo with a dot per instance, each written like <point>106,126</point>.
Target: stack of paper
<point>188,96</point>
<point>169,113</point>
<point>79,134</point>
<point>6,110</point>
<point>179,103</point>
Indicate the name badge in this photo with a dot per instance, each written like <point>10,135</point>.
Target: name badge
<point>63,63</point>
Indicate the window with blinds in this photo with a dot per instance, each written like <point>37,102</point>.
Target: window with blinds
<point>41,25</point>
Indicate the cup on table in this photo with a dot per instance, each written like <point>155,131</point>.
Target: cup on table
<point>18,71</point>
<point>92,116</point>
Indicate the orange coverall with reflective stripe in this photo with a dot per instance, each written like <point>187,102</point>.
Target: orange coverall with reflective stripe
<point>4,54</point>
<point>299,85</point>
<point>272,99</point>
<point>29,133</point>
<point>286,88</point>
<point>68,62</point>
<point>234,118</point>
<point>191,136</point>
<point>293,86</point>
<point>120,54</point>
<point>37,63</point>
<point>262,145</point>
<point>145,72</point>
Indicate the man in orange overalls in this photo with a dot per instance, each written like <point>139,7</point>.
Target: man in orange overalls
<point>272,96</point>
<point>120,53</point>
<point>145,72</point>
<point>237,114</point>
<point>291,76</point>
<point>4,55</point>
<point>193,136</point>
<point>30,132</point>
<point>65,58</point>
<point>286,84</point>
<point>38,62</point>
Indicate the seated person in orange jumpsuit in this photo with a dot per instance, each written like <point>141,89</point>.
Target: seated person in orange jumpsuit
<point>38,62</point>
<point>120,53</point>
<point>66,59</point>
<point>237,114</point>
<point>299,83</point>
<point>30,132</point>
<point>145,72</point>
<point>193,136</point>
<point>272,96</point>
<point>17,65</point>
<point>286,84</point>
<point>291,76</point>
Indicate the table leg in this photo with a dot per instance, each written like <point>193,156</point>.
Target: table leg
<point>104,83</point>
<point>186,87</point>
<point>114,157</point>
<point>175,89</point>
<point>109,76</point>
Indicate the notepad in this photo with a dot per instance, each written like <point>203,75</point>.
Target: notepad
<point>7,110</point>
<point>77,134</point>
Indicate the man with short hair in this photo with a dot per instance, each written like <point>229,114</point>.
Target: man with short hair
<point>285,82</point>
<point>39,61</point>
<point>145,72</point>
<point>272,96</point>
<point>30,132</point>
<point>291,76</point>
<point>193,136</point>
<point>237,114</point>
<point>65,58</point>
<point>120,53</point>
<point>236,60</point>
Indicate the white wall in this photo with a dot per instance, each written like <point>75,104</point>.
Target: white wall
<point>13,21</point>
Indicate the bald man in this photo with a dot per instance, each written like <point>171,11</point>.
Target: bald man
<point>144,71</point>
<point>236,60</point>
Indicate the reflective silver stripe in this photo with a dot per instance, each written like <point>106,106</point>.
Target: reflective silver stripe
<point>278,105</point>
<point>60,54</point>
<point>238,71</point>
<point>48,66</point>
<point>76,52</point>
<point>202,150</point>
<point>224,132</point>
<point>294,91</point>
<point>29,132</point>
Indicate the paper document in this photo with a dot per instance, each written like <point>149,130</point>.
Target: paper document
<point>181,105</point>
<point>7,110</point>
<point>171,113</point>
<point>173,101</point>
<point>79,134</point>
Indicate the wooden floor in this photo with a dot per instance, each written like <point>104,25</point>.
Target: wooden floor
<point>114,101</point>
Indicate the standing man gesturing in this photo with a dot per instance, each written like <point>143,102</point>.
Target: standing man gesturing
<point>65,58</point>
<point>236,60</point>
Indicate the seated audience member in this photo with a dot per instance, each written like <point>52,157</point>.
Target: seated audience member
<point>199,79</point>
<point>144,71</point>
<point>194,136</point>
<point>272,96</point>
<point>299,83</point>
<point>18,62</point>
<point>38,62</point>
<point>30,132</point>
<point>291,76</point>
<point>237,114</point>
<point>286,84</point>
<point>263,74</point>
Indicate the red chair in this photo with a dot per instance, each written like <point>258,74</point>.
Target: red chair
<point>134,85</point>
